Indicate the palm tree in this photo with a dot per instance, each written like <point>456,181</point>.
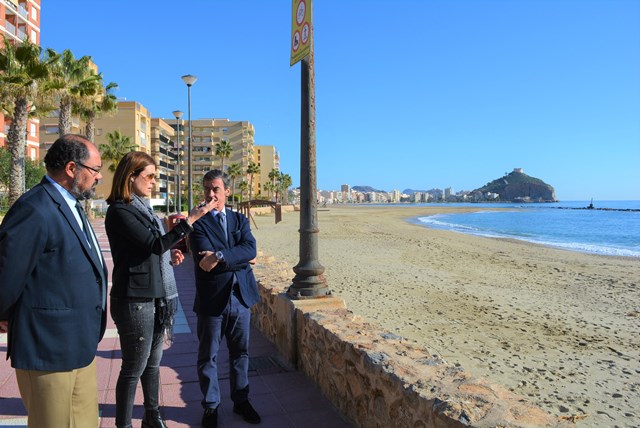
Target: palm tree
<point>103,102</point>
<point>268,187</point>
<point>24,71</point>
<point>234,171</point>
<point>223,150</point>
<point>34,170</point>
<point>284,181</point>
<point>118,145</point>
<point>243,187</point>
<point>76,85</point>
<point>252,169</point>
<point>273,176</point>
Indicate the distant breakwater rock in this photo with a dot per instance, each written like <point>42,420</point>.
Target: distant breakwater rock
<point>635,210</point>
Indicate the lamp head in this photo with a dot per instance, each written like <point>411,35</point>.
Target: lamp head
<point>177,114</point>
<point>189,79</point>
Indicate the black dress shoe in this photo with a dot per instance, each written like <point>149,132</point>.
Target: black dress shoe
<point>210,418</point>
<point>247,411</point>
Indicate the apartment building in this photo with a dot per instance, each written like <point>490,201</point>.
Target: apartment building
<point>132,120</point>
<point>149,135</point>
<point>345,189</point>
<point>20,20</point>
<point>206,134</point>
<point>164,150</point>
<point>267,159</point>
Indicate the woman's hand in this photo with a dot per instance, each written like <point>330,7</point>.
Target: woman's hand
<point>208,261</point>
<point>176,257</point>
<point>200,210</point>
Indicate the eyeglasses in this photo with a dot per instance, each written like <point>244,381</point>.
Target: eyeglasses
<point>95,170</point>
<point>148,177</point>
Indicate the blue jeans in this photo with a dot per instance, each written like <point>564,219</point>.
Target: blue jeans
<point>233,324</point>
<point>141,344</point>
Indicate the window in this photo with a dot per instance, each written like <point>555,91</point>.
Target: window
<point>32,129</point>
<point>51,130</point>
<point>32,154</point>
<point>34,13</point>
<point>34,36</point>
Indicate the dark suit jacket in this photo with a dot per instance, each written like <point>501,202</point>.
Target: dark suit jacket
<point>213,288</point>
<point>136,246</point>
<point>52,290</point>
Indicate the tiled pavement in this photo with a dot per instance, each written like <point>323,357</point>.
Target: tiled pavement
<point>283,396</point>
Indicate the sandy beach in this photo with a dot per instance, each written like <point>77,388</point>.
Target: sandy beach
<point>557,327</point>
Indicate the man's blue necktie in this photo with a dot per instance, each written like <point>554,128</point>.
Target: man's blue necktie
<point>222,220</point>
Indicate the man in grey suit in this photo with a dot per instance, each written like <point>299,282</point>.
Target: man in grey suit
<point>223,248</point>
<point>53,288</point>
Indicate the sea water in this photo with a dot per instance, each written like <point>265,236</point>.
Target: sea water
<point>613,228</point>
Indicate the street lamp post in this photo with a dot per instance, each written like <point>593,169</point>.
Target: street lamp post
<point>178,115</point>
<point>309,281</point>
<point>189,80</point>
<point>166,197</point>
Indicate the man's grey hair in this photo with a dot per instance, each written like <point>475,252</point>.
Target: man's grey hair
<point>217,173</point>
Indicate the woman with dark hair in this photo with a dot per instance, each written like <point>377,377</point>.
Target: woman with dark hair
<point>144,294</point>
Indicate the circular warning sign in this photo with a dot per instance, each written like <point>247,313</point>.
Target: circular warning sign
<point>296,41</point>
<point>301,12</point>
<point>301,29</point>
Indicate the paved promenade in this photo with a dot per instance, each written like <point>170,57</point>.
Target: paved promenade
<point>282,396</point>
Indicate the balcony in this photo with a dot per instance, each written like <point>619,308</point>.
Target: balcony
<point>197,161</point>
<point>200,144</point>
<point>10,28</point>
<point>12,5</point>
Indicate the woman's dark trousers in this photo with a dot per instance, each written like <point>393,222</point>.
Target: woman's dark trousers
<point>141,344</point>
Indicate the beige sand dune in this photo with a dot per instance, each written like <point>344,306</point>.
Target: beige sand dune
<point>560,328</point>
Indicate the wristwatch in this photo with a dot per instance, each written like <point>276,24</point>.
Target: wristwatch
<point>220,256</point>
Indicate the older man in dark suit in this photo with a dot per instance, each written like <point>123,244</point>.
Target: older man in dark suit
<point>223,248</point>
<point>53,288</point>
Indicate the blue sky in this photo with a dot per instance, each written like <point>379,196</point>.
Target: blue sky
<point>409,93</point>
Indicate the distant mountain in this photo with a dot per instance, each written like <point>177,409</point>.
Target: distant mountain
<point>412,191</point>
<point>518,186</point>
<point>367,189</point>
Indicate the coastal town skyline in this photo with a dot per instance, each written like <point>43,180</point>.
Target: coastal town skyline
<point>446,93</point>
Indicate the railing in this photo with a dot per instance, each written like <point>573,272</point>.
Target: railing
<point>14,6</point>
<point>10,27</point>
<point>164,151</point>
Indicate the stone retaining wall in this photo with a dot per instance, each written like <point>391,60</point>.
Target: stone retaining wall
<point>376,378</point>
